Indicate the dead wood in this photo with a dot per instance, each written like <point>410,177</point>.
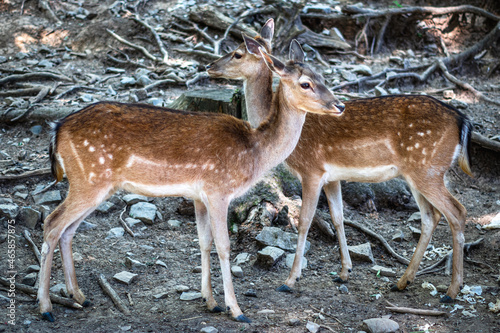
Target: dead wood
<point>124,224</point>
<point>108,290</point>
<point>44,5</point>
<point>420,312</point>
<point>33,76</point>
<point>31,291</point>
<point>32,244</point>
<point>155,35</point>
<point>134,46</point>
<point>381,239</point>
<point>485,142</point>
<point>21,92</point>
<point>27,174</point>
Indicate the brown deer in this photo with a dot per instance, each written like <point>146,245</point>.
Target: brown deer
<point>377,139</point>
<point>211,158</point>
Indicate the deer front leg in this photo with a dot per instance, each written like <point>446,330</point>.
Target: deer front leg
<point>310,195</point>
<point>218,218</point>
<point>334,196</point>
<point>205,239</point>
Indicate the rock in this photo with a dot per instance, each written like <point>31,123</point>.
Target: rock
<point>272,236</point>
<point>209,329</point>
<point>105,207</point>
<point>343,289</point>
<point>448,94</point>
<point>312,327</point>
<point>415,232</point>
<point>21,195</point>
<point>160,263</point>
<point>161,295</point>
<point>399,236</point>
<point>282,218</point>
<point>242,258</point>
<point>29,279</point>
<point>6,201</point>
<point>269,256</point>
<point>144,211</point>
<point>266,311</point>
<point>458,104</point>
<point>190,295</point>
<point>237,271</point>
<point>115,232</point>
<point>363,70</point>
<point>33,268</point>
<point>84,226</point>
<point>20,187</point>
<point>77,257</point>
<point>45,210</point>
<point>29,217</point>
<point>250,293</point>
<point>494,223</point>
<point>397,60</point>
<point>362,252</point>
<point>197,269</point>
<point>47,198</point>
<point>131,199</point>
<point>379,91</point>
<point>415,217</point>
<point>131,222</point>
<point>290,257</point>
<point>384,271</point>
<point>348,75</point>
<point>9,210</point>
<point>125,277</point>
<point>181,288</point>
<point>156,101</point>
<point>59,289</point>
<point>127,81</point>
<point>294,322</point>
<point>174,224</point>
<point>380,325</point>
<point>134,264</point>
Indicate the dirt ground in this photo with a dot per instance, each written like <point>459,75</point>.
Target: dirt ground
<point>317,297</point>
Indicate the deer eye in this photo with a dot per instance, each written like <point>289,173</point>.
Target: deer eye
<point>305,85</point>
<point>237,56</point>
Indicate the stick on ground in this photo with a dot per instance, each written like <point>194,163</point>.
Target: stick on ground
<point>108,290</point>
<point>420,312</point>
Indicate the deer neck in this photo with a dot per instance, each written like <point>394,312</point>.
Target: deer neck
<point>258,96</point>
<point>279,133</point>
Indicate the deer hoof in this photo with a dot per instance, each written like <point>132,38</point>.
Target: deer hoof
<point>285,289</point>
<point>446,299</point>
<point>217,309</point>
<point>394,287</point>
<point>243,319</point>
<point>48,316</point>
<point>338,279</point>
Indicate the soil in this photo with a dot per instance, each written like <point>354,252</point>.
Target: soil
<point>316,297</point>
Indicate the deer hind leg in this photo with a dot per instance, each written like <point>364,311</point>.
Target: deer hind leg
<point>66,216</point>
<point>334,196</point>
<point>310,194</point>
<point>430,220</point>
<point>217,209</point>
<point>205,238</point>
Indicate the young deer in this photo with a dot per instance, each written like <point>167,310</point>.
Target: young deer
<point>211,158</point>
<point>415,137</point>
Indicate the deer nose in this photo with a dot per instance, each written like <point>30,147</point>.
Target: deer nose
<point>340,107</point>
<point>207,67</point>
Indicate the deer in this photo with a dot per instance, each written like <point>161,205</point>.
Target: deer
<point>415,137</point>
<point>158,152</point>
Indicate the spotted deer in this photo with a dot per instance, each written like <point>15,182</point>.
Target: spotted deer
<point>417,138</point>
<point>211,158</point>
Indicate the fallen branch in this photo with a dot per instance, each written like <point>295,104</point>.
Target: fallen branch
<point>420,312</point>
<point>381,239</point>
<point>156,37</point>
<point>485,142</point>
<point>33,76</point>
<point>208,55</point>
<point>134,46</point>
<point>124,224</point>
<point>108,290</point>
<point>32,244</point>
<point>31,291</point>
<point>27,174</point>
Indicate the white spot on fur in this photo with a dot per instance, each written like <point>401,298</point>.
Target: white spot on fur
<point>85,143</point>
<point>110,156</point>
<point>417,145</point>
<point>420,133</point>
<point>101,160</point>
<point>91,149</point>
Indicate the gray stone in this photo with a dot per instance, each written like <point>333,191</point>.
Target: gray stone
<point>115,233</point>
<point>399,236</point>
<point>362,252</point>
<point>45,210</point>
<point>294,322</point>
<point>174,224</point>
<point>190,295</point>
<point>242,258</point>
<point>161,295</point>
<point>3,59</point>
<point>160,263</point>
<point>197,269</point>
<point>397,60</point>
<point>21,195</point>
<point>141,94</point>
<point>28,217</point>
<point>144,81</point>
<point>84,226</point>
<point>237,271</point>
<point>46,63</point>
<point>415,217</point>
<point>59,289</point>
<point>272,236</point>
<point>105,207</point>
<point>132,222</point>
<point>47,198</point>
<point>127,81</point>
<point>86,98</point>
<point>125,277</point>
<point>29,279</point>
<point>181,288</point>
<point>144,211</point>
<point>312,327</point>
<point>380,325</point>
<point>32,268</point>
<point>209,329</point>
<point>384,271</point>
<point>4,201</point>
<point>269,256</point>
<point>20,187</point>
<point>77,257</point>
<point>9,210</point>
<point>415,232</point>
<point>343,289</point>
<point>363,70</point>
<point>134,264</point>
<point>348,75</point>
<point>290,257</point>
<point>250,293</point>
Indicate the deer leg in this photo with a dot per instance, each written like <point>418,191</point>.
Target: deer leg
<point>310,195</point>
<point>205,238</point>
<point>334,196</point>
<point>430,220</point>
<point>218,218</point>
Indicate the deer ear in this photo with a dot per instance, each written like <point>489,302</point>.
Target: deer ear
<point>267,31</point>
<point>296,53</point>
<point>252,45</point>
<point>273,63</point>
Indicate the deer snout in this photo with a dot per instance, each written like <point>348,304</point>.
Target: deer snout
<point>207,67</point>
<point>336,107</point>
<point>340,106</point>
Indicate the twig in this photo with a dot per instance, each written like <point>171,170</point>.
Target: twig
<point>108,290</point>
<point>381,33</point>
<point>420,312</point>
<point>33,291</point>
<point>33,76</point>
<point>485,142</point>
<point>135,46</point>
<point>380,239</point>
<point>27,174</point>
<point>465,85</point>
<point>32,244</point>
<point>155,35</point>
<point>124,224</point>
<point>130,301</point>
<point>209,55</point>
